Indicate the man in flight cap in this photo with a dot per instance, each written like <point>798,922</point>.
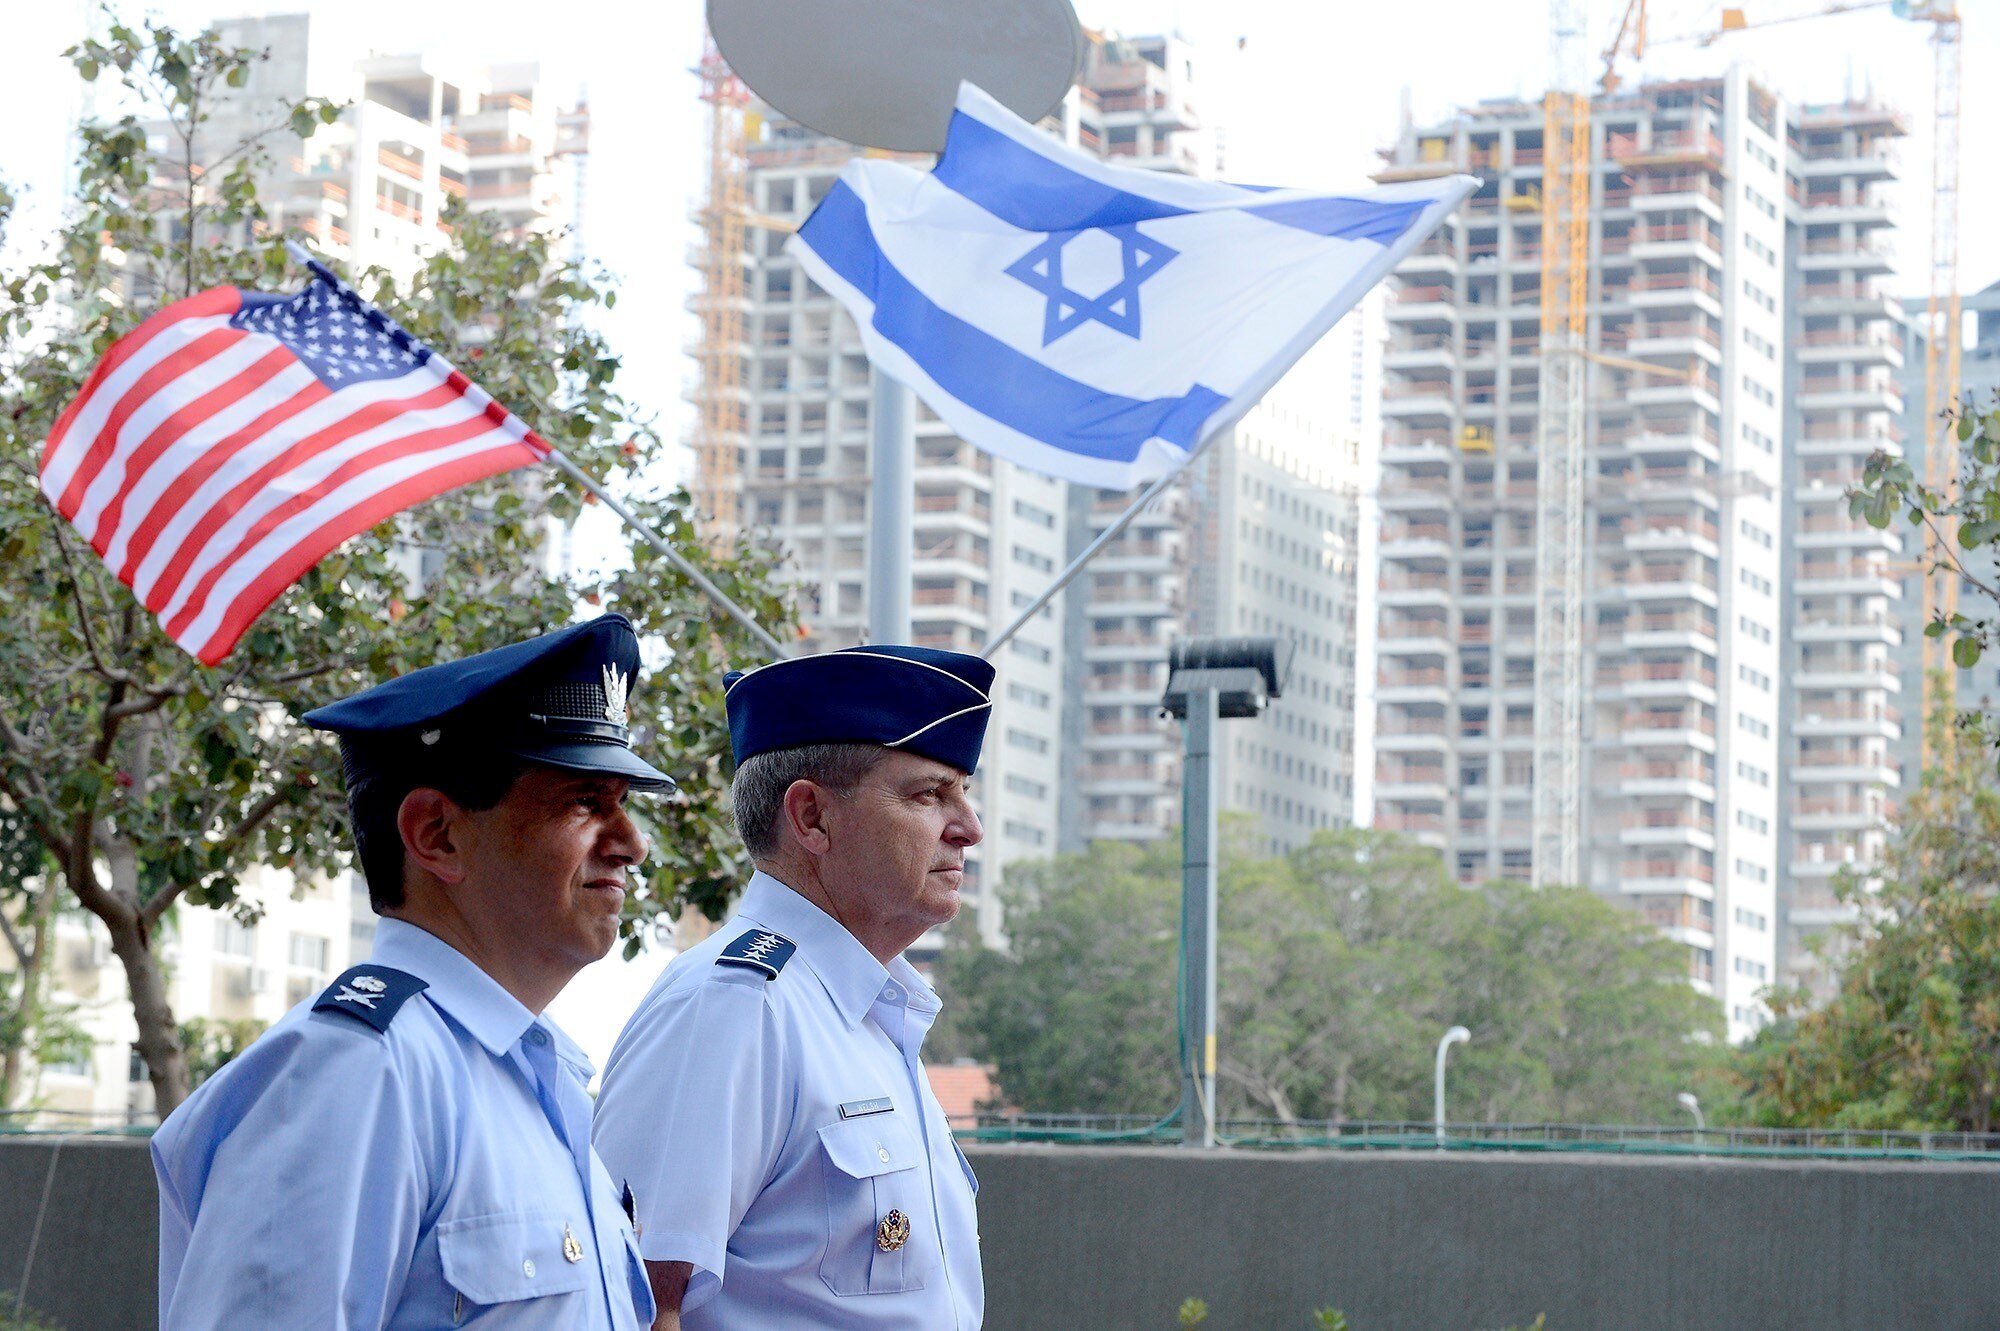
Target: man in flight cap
<point>411,1148</point>
<point>766,1105</point>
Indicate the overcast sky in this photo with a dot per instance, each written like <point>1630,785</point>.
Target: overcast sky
<point>1304,93</point>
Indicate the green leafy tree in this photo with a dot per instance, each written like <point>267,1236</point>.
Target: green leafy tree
<point>1954,523</point>
<point>1339,966</point>
<point>1911,1037</point>
<point>147,779</point>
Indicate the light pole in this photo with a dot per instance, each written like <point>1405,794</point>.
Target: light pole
<point>1693,1106</point>
<point>1456,1035</point>
<point>1209,680</point>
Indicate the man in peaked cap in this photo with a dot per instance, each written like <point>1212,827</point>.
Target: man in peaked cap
<point>766,1105</point>
<point>411,1148</point>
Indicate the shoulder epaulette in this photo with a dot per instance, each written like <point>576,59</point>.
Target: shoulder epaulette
<point>371,994</point>
<point>759,950</point>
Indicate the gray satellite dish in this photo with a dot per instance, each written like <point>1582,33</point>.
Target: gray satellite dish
<point>885,73</point>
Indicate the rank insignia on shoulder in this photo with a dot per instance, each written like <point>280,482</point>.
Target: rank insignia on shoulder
<point>371,994</point>
<point>759,950</point>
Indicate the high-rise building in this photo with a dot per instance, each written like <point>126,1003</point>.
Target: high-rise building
<point>418,131</point>
<point>1734,295</point>
<point>1848,704</point>
<point>1076,749</point>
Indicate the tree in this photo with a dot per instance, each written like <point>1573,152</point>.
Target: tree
<point>1955,520</point>
<point>1911,1037</point>
<point>147,779</point>
<point>1339,966</point>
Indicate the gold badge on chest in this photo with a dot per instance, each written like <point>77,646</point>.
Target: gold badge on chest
<point>893,1232</point>
<point>572,1250</point>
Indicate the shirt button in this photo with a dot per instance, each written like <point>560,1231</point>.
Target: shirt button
<point>528,1268</point>
<point>882,1153</point>
<point>536,1035</point>
<point>892,993</point>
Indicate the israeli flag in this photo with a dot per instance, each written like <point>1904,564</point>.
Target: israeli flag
<point>1092,322</point>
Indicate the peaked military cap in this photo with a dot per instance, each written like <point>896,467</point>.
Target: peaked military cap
<point>922,699</point>
<point>558,700</point>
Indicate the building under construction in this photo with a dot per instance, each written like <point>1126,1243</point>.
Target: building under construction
<point>1741,703</point>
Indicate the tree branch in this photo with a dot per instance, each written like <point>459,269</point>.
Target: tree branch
<point>82,611</point>
<point>252,819</point>
<point>1957,565</point>
<point>14,942</point>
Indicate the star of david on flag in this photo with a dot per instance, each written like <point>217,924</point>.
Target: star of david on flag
<point>1093,322</point>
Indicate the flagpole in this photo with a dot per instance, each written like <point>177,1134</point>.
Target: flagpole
<point>301,255</point>
<point>1104,538</point>
<point>668,553</point>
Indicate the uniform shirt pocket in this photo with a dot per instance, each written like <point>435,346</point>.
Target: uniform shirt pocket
<point>505,1257</point>
<point>876,1191</point>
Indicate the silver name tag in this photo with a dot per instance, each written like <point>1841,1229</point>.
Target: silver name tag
<point>862,1108</point>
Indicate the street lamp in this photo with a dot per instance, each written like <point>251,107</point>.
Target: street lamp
<point>1456,1035</point>
<point>1209,680</point>
<point>1693,1106</point>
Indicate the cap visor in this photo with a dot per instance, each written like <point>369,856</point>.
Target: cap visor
<point>602,760</point>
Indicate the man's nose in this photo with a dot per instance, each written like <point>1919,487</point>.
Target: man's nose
<point>964,828</point>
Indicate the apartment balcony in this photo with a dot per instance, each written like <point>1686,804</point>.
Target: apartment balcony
<point>1842,673</point>
<point>1870,345</point>
<point>1670,291</point>
<point>1818,865</point>
<point>1661,729</point>
<point>1676,338</point>
<point>1859,629</point>
<point>1678,193</point>
<point>1668,630</point>
<point>1428,302</point>
<point>1836,531</point>
<point>1666,777</point>
<point>1426,827</point>
<point>1656,582</point>
<point>1412,685</point>
<point>1822,209</point>
<point>1838,813</point>
<point>1860,299</point>
<point>1432,263</point>
<point>1402,447</point>
<point>1846,766</point>
<point>1873,720</point>
<point>1414,590</point>
<point>1413,735</point>
<point>1113,777</point>
<point>1421,400</point>
<point>1669,241</point>
<point>1411,784</point>
<point>1434,352</point>
<point>1648,828</point>
<point>1415,494</point>
<point>1850,392</point>
<point>1640,680</point>
<point>1852,577</point>
<point>1416,540</point>
<point>1415,638</point>
<point>1672,533</point>
<point>1853,256</point>
<point>1849,442</point>
<point>1666,875</point>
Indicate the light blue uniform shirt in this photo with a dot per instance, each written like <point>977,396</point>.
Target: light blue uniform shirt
<point>438,1174</point>
<point>768,1127</point>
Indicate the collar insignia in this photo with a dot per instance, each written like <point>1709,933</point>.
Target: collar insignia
<point>615,682</point>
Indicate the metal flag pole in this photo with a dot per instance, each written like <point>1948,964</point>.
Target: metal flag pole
<point>301,255</point>
<point>1104,538</point>
<point>891,508</point>
<point>673,557</point>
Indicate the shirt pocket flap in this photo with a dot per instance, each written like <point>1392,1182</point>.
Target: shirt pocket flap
<point>507,1256</point>
<point>870,1147</point>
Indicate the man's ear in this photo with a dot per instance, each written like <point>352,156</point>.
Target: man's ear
<point>430,825</point>
<point>805,812</point>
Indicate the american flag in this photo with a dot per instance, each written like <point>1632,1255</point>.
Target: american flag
<point>225,445</point>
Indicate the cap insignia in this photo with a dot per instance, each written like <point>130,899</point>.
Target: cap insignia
<point>615,681</point>
<point>431,736</point>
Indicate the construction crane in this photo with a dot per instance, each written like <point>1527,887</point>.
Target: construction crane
<point>1941,310</point>
<point>1560,571</point>
<point>721,426</point>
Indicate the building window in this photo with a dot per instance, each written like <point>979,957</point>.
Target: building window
<point>309,952</point>
<point>233,938</point>
<point>1027,740</point>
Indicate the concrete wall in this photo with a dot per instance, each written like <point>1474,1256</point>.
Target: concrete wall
<point>1081,1239</point>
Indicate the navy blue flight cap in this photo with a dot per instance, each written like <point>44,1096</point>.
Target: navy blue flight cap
<point>921,699</point>
<point>558,701</point>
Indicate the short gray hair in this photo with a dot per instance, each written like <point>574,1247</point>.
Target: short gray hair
<point>757,795</point>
